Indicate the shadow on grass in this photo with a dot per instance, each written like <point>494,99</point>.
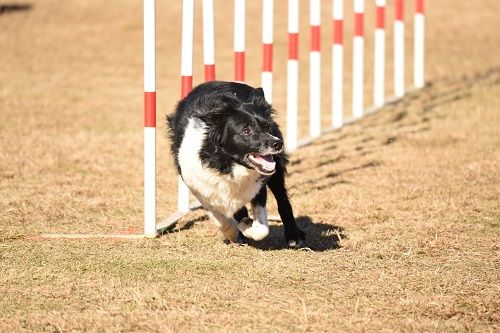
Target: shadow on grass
<point>14,7</point>
<point>319,236</point>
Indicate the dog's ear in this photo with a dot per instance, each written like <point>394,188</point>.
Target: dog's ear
<point>256,96</point>
<point>214,115</point>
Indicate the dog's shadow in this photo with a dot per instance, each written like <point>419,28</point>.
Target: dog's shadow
<point>319,236</point>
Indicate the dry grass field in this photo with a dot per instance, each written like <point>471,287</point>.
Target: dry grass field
<point>401,209</point>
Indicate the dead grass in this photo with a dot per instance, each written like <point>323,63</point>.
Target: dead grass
<point>401,209</point>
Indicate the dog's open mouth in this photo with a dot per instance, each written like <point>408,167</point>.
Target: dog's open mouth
<point>264,164</point>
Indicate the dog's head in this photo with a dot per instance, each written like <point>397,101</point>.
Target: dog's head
<point>240,125</point>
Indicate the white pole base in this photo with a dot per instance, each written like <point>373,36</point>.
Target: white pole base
<point>150,181</point>
<point>292,105</point>
<point>418,68</point>
<point>358,77</point>
<point>315,94</point>
<point>267,86</point>
<point>337,85</point>
<point>399,58</point>
<point>379,68</point>
<point>183,196</point>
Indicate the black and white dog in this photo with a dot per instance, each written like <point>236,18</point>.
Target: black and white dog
<point>227,148</point>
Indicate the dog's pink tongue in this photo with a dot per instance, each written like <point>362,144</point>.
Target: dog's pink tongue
<point>267,162</point>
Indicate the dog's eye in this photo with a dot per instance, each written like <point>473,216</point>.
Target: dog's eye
<point>247,130</point>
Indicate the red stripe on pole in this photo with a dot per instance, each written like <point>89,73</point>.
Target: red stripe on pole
<point>380,24</point>
<point>149,109</point>
<point>239,66</point>
<point>420,6</point>
<point>359,24</point>
<point>209,73</point>
<point>293,46</point>
<point>267,62</point>
<point>315,38</point>
<point>338,32</point>
<point>186,85</point>
<point>398,10</point>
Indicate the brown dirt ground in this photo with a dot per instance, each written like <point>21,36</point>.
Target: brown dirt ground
<point>401,209</point>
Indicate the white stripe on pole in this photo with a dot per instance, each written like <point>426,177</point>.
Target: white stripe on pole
<point>208,32</point>
<point>418,67</point>
<point>338,69</point>
<point>149,46</point>
<point>358,68</point>
<point>239,25</point>
<point>315,75</point>
<point>293,16</point>
<point>149,132</point>
<point>187,38</point>
<point>186,70</point>
<point>267,38</point>
<point>399,57</point>
<point>379,61</point>
<point>292,80</point>
<point>267,21</point>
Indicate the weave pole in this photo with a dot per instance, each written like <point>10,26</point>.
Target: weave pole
<point>292,93</point>
<point>239,40</point>
<point>338,64</point>
<point>186,82</point>
<point>149,118</point>
<point>399,49</point>
<point>267,49</point>
<point>358,58</point>
<point>208,40</point>
<point>315,69</point>
<point>419,45</point>
<point>379,55</point>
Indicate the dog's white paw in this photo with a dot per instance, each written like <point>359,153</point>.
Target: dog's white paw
<point>252,229</point>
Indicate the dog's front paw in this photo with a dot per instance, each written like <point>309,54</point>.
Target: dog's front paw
<point>253,229</point>
<point>295,239</point>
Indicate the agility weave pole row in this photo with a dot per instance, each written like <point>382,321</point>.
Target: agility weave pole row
<point>358,109</point>
<point>151,228</point>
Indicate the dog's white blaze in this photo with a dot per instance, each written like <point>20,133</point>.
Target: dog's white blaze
<point>259,228</point>
<point>223,194</point>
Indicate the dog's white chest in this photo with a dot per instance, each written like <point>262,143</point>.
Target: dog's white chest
<point>224,193</point>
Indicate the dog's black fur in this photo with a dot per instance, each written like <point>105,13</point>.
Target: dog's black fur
<point>239,122</point>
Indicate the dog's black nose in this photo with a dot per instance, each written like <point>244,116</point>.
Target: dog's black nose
<point>277,144</point>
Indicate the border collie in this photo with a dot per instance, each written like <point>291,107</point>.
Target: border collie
<point>227,148</point>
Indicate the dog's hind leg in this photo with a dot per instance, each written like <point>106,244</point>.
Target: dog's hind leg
<point>257,229</point>
<point>293,235</point>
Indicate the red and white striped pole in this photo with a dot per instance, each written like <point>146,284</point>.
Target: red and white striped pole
<point>419,45</point>
<point>186,82</point>
<point>379,55</point>
<point>292,75</point>
<point>267,49</point>
<point>399,49</point>
<point>239,40</point>
<point>315,69</point>
<point>338,64</point>
<point>208,40</point>
<point>149,118</point>
<point>358,58</point>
